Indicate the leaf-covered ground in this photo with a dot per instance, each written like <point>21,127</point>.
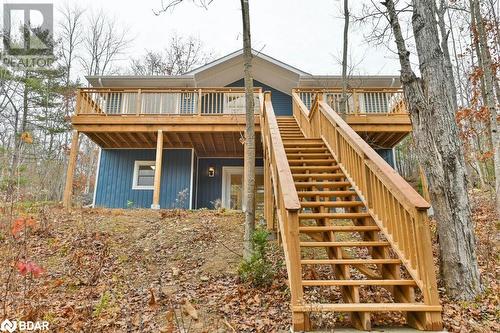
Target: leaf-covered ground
<point>151,271</point>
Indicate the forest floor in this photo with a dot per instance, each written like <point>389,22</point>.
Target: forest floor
<point>97,270</point>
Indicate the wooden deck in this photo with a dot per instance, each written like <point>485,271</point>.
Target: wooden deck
<point>378,115</point>
<point>212,120</point>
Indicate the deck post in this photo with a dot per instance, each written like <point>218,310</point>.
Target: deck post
<point>157,181</point>
<point>73,155</point>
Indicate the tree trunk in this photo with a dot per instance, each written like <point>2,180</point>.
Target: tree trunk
<point>439,149</point>
<point>343,99</point>
<point>488,91</point>
<point>249,179</point>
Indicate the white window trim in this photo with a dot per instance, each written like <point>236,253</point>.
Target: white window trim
<point>137,164</point>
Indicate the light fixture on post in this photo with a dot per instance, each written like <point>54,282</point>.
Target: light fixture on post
<point>211,171</point>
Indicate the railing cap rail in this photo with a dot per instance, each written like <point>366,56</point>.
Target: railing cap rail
<point>399,185</point>
<point>286,182</point>
<point>166,89</point>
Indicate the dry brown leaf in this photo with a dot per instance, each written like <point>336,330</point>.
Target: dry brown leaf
<point>152,299</point>
<point>189,310</point>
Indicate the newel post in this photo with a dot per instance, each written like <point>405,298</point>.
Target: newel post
<point>73,156</point>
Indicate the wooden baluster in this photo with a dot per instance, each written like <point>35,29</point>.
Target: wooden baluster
<point>138,102</point>
<point>199,102</point>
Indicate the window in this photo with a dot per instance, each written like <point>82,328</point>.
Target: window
<point>144,175</point>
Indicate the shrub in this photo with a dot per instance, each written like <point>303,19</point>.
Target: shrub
<point>258,270</point>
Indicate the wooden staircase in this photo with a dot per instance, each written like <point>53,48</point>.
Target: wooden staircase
<point>339,255</point>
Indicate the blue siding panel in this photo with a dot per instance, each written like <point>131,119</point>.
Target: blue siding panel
<point>388,155</point>
<point>210,188</point>
<point>282,103</point>
<point>114,186</point>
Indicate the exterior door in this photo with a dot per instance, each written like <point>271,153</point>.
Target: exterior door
<point>232,188</point>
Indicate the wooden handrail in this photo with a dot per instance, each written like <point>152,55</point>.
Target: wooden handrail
<point>284,177</point>
<point>283,200</point>
<point>399,211</point>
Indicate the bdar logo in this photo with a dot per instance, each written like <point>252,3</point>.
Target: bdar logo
<point>8,326</point>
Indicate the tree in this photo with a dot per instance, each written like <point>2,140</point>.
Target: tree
<point>343,101</point>
<point>249,158</point>
<point>103,43</point>
<point>430,101</point>
<point>181,55</point>
<point>489,80</point>
<point>249,134</point>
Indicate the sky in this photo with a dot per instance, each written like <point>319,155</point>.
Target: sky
<point>303,33</point>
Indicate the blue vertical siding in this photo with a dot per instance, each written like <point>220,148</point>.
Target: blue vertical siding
<point>282,103</point>
<point>116,169</point>
<point>210,188</point>
<point>388,155</point>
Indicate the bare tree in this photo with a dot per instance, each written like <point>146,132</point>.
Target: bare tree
<point>70,37</point>
<point>180,56</point>
<point>249,155</point>
<point>103,43</point>
<point>488,90</point>
<point>430,103</point>
<point>249,134</point>
<point>343,100</point>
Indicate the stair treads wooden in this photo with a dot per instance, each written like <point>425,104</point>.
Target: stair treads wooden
<point>345,244</point>
<point>338,228</point>
<point>317,168</point>
<point>366,307</point>
<point>322,184</point>
<point>334,204</point>
<point>359,283</point>
<point>304,216</point>
<point>306,149</point>
<point>329,194</point>
<point>349,261</point>
<point>322,161</point>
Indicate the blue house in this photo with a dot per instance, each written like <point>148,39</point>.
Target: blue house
<point>199,118</point>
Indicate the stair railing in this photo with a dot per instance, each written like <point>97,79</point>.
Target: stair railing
<point>399,211</point>
<point>284,201</point>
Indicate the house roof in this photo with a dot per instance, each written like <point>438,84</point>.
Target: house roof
<point>228,69</point>
<point>255,53</point>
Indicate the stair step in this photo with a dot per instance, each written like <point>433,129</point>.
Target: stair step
<point>317,168</point>
<point>322,161</point>
<point>358,283</point>
<point>329,194</point>
<point>339,228</point>
<point>339,216</point>
<point>309,155</point>
<point>308,204</point>
<point>318,175</point>
<point>306,149</point>
<point>322,184</point>
<point>367,307</point>
<point>305,142</point>
<point>349,261</point>
<point>345,244</point>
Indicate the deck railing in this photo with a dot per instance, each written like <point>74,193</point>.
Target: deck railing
<point>373,101</point>
<point>167,101</point>
<point>396,207</point>
<point>281,197</point>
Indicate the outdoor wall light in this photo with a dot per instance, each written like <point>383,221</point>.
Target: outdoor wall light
<point>211,171</point>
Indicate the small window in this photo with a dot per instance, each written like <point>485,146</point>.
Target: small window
<point>144,175</point>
